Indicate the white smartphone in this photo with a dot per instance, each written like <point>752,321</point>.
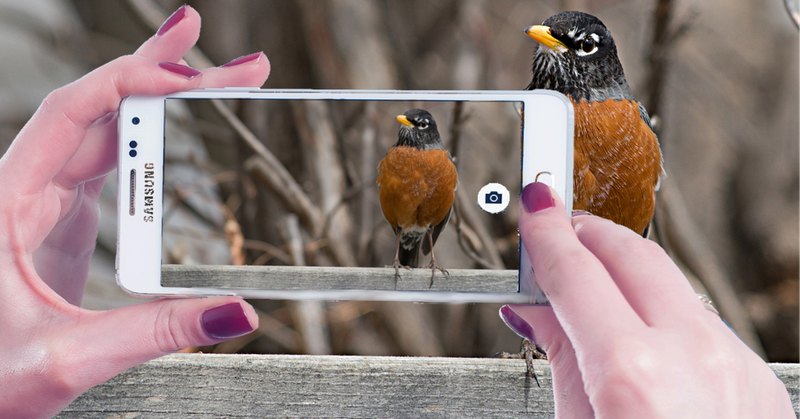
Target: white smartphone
<point>192,164</point>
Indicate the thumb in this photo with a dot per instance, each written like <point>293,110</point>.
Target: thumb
<point>128,336</point>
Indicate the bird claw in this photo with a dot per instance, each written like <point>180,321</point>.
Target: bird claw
<point>433,267</point>
<point>396,265</point>
<point>529,352</point>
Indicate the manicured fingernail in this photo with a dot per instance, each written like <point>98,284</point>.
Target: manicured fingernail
<point>517,323</point>
<point>183,70</point>
<point>243,59</point>
<point>172,20</point>
<point>226,321</point>
<point>578,213</point>
<point>536,197</point>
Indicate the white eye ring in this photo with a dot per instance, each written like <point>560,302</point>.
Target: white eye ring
<point>423,124</point>
<point>595,40</point>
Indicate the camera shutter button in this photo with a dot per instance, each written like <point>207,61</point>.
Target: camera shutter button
<point>494,198</point>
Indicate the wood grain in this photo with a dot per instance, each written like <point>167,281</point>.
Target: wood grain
<point>257,386</point>
<point>296,278</point>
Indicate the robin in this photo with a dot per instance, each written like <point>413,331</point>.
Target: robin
<point>416,184</point>
<point>618,162</point>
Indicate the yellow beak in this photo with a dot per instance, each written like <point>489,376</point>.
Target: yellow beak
<point>541,34</point>
<point>403,120</point>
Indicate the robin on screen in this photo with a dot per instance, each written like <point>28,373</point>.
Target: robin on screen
<point>416,184</point>
<point>618,162</point>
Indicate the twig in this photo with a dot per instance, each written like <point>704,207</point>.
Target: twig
<point>369,136</point>
<point>269,169</point>
<point>313,122</point>
<point>483,263</point>
<point>290,231</point>
<point>459,118</point>
<point>661,44</point>
<point>309,315</point>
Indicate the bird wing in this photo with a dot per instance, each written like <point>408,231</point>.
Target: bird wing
<point>436,230</point>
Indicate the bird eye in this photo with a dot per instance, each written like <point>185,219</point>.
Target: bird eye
<point>423,125</point>
<point>588,45</point>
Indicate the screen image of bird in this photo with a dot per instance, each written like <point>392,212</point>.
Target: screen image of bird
<point>405,186</point>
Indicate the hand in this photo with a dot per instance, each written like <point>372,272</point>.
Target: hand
<point>50,179</point>
<point>626,336</point>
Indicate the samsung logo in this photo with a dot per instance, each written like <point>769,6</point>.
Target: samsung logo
<point>149,191</point>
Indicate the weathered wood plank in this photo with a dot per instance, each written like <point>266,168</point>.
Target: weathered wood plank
<point>298,278</point>
<point>256,386</point>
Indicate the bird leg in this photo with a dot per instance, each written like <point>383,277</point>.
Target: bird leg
<point>433,264</point>
<point>396,265</point>
<point>529,351</point>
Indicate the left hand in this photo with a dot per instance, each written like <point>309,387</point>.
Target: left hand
<point>50,178</point>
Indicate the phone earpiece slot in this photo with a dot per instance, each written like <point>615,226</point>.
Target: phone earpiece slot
<point>132,202</point>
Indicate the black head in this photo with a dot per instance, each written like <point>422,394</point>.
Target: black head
<point>418,130</point>
<point>577,57</point>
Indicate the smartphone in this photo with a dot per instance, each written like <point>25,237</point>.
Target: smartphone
<point>222,190</point>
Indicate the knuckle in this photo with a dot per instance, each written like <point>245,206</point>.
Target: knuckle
<point>60,375</point>
<point>633,367</point>
<point>638,247</point>
<point>168,332</point>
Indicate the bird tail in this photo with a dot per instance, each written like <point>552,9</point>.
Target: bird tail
<point>410,245</point>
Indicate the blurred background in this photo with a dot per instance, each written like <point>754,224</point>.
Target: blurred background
<point>721,76</point>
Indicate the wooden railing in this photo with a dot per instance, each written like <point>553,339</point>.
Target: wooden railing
<point>305,386</point>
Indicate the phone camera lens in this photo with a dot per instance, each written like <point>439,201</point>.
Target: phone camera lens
<point>132,153</point>
<point>135,121</point>
<point>133,144</point>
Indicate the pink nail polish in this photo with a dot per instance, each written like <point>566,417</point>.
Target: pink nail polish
<point>172,20</point>
<point>226,321</point>
<point>183,70</point>
<point>516,323</point>
<point>537,197</point>
<point>243,59</point>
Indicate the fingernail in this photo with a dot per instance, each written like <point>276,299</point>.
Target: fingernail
<point>172,20</point>
<point>516,323</point>
<point>226,321</point>
<point>536,197</point>
<point>183,70</point>
<point>243,59</point>
<point>578,213</point>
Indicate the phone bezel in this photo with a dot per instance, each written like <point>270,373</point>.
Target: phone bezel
<point>548,126</point>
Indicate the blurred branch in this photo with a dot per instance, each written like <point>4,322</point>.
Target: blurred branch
<point>464,211</point>
<point>313,122</point>
<point>362,42</point>
<point>269,170</point>
<point>369,136</point>
<point>675,228</point>
<point>309,315</point>
<point>792,10</point>
<point>290,231</point>
<point>661,44</point>
<point>264,166</point>
<point>694,250</point>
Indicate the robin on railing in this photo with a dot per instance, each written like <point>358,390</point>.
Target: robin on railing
<point>617,156</point>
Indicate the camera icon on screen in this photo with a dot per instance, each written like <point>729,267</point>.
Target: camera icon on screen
<point>494,197</point>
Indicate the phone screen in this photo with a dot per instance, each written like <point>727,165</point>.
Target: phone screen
<point>313,199</point>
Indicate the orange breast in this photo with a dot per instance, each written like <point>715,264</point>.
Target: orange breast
<point>416,188</point>
<point>617,163</point>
